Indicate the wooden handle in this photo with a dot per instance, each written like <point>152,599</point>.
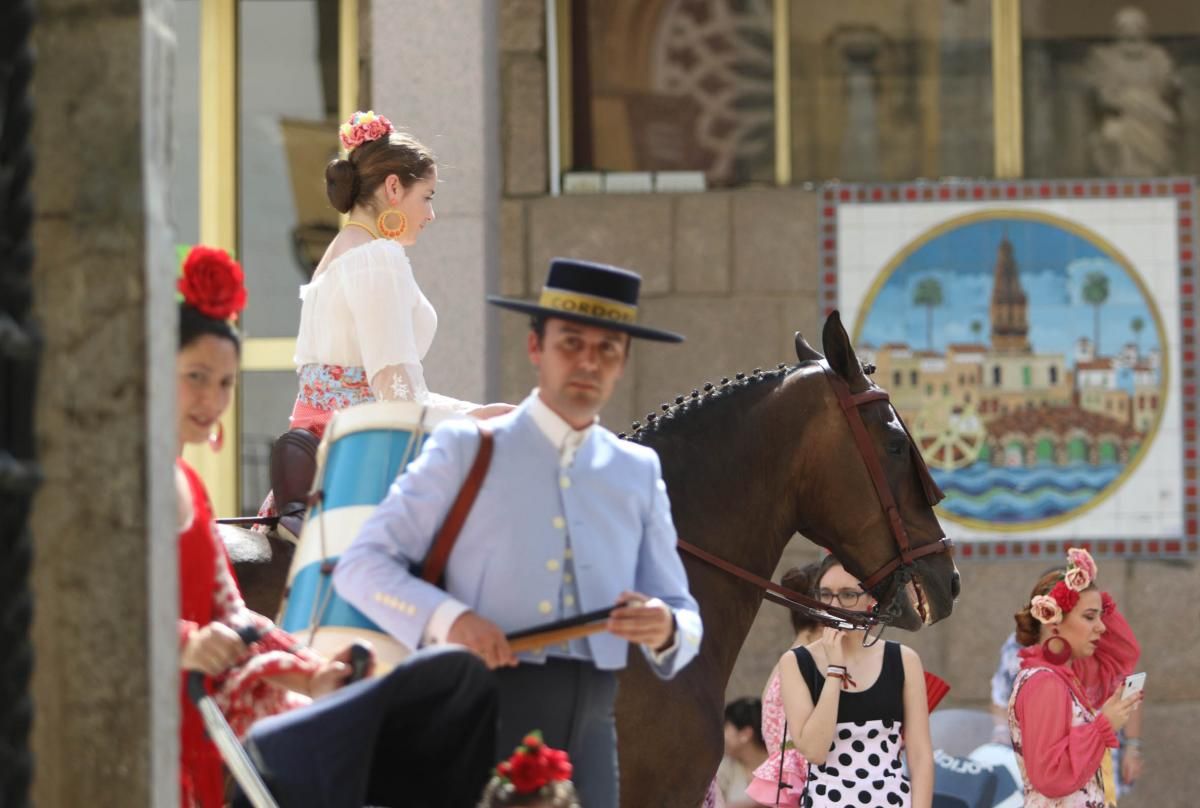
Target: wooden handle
<point>533,642</point>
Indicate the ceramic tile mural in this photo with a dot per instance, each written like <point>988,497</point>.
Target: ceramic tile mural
<point>1038,339</point>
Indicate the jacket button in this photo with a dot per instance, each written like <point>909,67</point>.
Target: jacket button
<point>564,482</point>
<point>545,607</point>
<point>558,522</point>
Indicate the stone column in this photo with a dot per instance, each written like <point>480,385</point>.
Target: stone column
<point>435,72</point>
<point>106,678</point>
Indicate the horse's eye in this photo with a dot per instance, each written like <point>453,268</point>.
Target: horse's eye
<point>897,446</point>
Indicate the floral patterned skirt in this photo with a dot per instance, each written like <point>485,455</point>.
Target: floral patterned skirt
<point>324,389</point>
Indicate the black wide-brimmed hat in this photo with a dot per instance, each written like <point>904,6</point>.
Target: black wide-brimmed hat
<point>592,294</point>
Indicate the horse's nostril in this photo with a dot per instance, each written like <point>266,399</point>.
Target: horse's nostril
<point>955,585</point>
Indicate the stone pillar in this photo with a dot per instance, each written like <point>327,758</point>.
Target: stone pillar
<point>435,72</point>
<point>106,678</point>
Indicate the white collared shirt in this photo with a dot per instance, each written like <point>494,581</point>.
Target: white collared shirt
<point>566,438</point>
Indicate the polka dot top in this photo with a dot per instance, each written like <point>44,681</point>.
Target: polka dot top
<point>863,768</point>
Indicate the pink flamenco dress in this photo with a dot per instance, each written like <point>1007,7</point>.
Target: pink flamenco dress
<point>1062,742</point>
<point>780,779</point>
<point>209,593</point>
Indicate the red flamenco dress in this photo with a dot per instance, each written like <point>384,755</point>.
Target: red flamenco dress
<point>208,592</point>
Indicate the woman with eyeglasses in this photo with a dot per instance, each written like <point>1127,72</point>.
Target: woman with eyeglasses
<point>852,708</point>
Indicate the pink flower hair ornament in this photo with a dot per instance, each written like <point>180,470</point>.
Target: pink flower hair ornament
<point>1080,573</point>
<point>363,127</point>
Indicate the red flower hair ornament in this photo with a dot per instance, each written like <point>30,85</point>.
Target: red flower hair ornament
<point>534,766</point>
<point>212,283</point>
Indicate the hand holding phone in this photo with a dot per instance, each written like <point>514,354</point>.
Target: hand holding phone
<point>1134,683</point>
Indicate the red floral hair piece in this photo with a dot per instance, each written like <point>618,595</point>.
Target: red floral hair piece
<point>534,765</point>
<point>212,283</point>
<point>1065,596</point>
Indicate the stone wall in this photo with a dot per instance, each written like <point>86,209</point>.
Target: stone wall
<point>106,678</point>
<point>735,271</point>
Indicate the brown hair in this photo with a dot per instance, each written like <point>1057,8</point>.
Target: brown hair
<point>803,580</point>
<point>351,180</point>
<point>827,563</point>
<point>1029,630</point>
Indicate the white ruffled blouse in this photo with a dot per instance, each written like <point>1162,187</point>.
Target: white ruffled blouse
<point>366,310</point>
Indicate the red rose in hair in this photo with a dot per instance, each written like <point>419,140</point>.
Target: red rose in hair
<point>213,283</point>
<point>526,773</point>
<point>535,765</point>
<point>1066,597</point>
<point>559,764</point>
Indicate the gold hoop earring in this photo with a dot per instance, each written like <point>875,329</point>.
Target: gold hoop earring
<point>400,228</point>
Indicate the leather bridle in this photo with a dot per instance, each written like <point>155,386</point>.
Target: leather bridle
<point>908,554</point>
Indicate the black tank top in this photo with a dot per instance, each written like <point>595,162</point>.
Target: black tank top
<point>882,701</point>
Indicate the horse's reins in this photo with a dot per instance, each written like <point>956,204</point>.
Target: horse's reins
<point>826,613</point>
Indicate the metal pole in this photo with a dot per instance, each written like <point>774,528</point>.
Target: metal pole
<point>1006,89</point>
<point>552,110</point>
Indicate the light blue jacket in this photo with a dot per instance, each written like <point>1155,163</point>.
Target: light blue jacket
<point>508,563</point>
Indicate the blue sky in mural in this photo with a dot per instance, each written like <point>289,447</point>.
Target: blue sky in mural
<point>1052,264</point>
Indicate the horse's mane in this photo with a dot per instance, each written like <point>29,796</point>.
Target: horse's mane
<point>694,413</point>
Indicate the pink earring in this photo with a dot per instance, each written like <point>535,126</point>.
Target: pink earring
<point>216,438</point>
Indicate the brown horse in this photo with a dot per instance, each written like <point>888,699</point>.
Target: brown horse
<point>748,464</point>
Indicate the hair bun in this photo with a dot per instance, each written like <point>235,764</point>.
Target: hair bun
<point>341,184</point>
<point>212,283</point>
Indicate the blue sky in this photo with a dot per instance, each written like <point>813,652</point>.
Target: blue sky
<point>1052,264</point>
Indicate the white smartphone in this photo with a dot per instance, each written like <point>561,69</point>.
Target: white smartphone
<point>1134,683</point>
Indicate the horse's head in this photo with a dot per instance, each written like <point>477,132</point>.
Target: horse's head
<point>865,492</point>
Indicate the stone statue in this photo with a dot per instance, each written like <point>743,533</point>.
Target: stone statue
<point>1134,93</point>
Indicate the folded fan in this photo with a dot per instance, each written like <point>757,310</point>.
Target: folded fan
<point>935,689</point>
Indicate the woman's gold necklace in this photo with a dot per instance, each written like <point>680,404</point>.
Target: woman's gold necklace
<point>352,223</point>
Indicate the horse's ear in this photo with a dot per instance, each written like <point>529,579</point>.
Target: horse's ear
<point>840,352</point>
<point>804,351</point>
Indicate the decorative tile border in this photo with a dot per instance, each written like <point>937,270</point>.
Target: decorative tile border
<point>1183,190</point>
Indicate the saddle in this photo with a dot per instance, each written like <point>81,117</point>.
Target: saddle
<point>293,467</point>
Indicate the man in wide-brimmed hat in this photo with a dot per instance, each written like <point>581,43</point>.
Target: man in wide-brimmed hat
<point>570,519</point>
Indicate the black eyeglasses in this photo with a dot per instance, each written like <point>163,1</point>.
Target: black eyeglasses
<point>846,597</point>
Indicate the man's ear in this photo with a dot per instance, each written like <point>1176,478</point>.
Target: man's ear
<point>533,346</point>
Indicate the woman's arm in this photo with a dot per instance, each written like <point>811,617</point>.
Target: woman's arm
<point>1115,658</point>
<point>810,727</point>
<point>407,383</point>
<point>1059,758</point>
<point>918,745</point>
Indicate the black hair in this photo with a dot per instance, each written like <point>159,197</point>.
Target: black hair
<point>193,325</point>
<point>746,713</point>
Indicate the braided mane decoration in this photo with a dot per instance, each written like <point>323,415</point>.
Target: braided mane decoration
<point>19,348</point>
<point>703,400</point>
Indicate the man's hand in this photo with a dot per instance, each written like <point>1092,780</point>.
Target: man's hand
<point>484,638</point>
<point>643,620</point>
<point>212,649</point>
